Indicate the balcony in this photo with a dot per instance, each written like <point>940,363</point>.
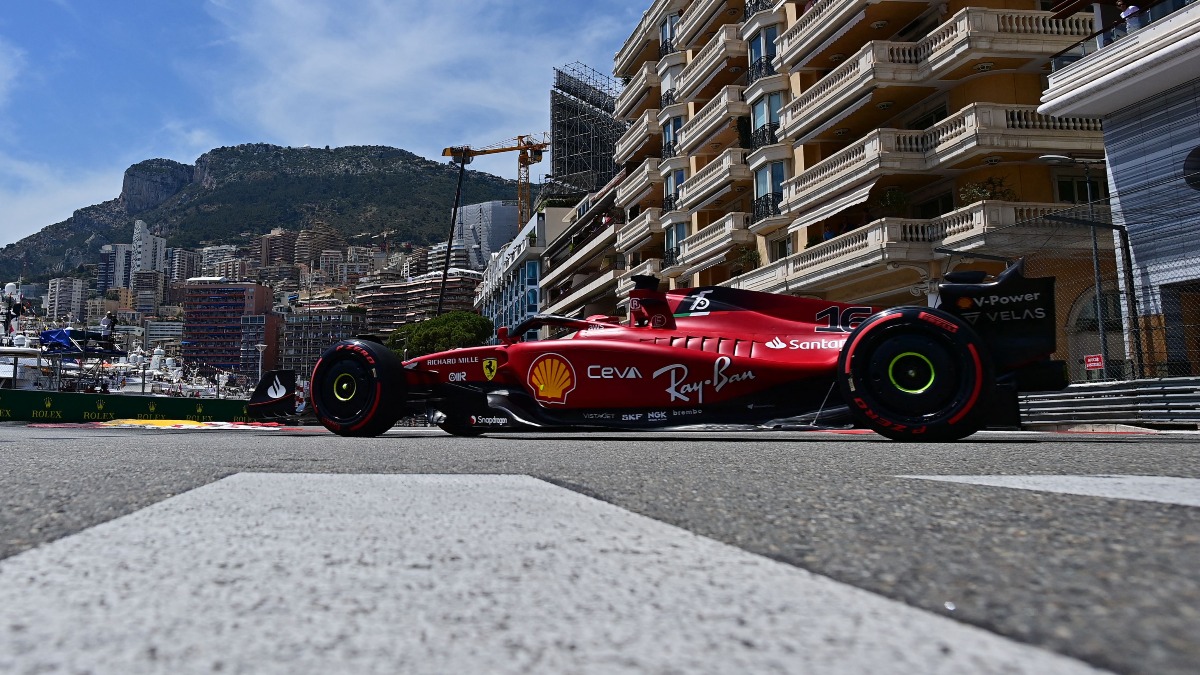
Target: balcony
<point>1159,56</point>
<point>643,43</point>
<point>979,129</point>
<point>652,267</point>
<point>1007,228</point>
<point>970,35</point>
<point>588,248</point>
<point>767,216</point>
<point>714,180</point>
<point>714,65</point>
<point>638,183</point>
<point>709,246</point>
<point>640,231</point>
<point>716,115</point>
<point>701,16</point>
<point>582,290</point>
<point>827,20</point>
<point>644,130</point>
<point>640,94</point>
<point>765,135</point>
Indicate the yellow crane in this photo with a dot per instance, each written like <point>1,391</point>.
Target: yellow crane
<point>530,148</point>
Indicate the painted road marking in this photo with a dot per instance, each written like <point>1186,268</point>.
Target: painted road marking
<point>304,573</point>
<point>1161,489</point>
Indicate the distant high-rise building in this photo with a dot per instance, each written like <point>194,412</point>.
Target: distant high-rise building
<point>459,256</point>
<point>212,331</point>
<point>183,264</point>
<point>149,291</point>
<point>65,300</point>
<point>486,228</point>
<point>116,264</point>
<point>149,250</point>
<point>277,248</point>
<point>319,237</point>
<point>211,255</point>
<point>307,334</point>
<point>395,302</point>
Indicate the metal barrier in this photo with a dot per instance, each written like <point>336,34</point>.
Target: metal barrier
<point>1157,402</point>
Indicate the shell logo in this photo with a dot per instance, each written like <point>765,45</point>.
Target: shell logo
<point>551,377</point>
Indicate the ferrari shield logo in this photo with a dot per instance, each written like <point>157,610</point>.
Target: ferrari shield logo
<point>489,368</point>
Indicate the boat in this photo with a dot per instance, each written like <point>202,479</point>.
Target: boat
<point>64,375</point>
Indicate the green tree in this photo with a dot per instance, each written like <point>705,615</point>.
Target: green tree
<point>448,331</point>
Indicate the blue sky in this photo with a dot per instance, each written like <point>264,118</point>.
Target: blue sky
<point>89,87</point>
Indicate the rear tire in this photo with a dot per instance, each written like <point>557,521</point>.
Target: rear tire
<point>916,374</point>
<point>357,388</point>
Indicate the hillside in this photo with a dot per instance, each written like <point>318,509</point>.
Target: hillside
<point>232,194</point>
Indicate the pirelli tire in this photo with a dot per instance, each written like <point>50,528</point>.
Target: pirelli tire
<point>356,388</point>
<point>916,374</point>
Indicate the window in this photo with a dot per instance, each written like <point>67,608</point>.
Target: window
<point>780,248</point>
<point>1075,189</point>
<point>762,44</point>
<point>531,272</point>
<point>766,110</point>
<point>670,134</point>
<point>930,118</point>
<point>675,234</point>
<point>943,203</point>
<point>769,179</point>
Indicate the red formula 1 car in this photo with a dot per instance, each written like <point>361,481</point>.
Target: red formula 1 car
<point>719,355</point>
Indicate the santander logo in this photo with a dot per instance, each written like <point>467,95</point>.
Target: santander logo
<point>776,344</point>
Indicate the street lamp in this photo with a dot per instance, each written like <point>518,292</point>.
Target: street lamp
<point>1087,180</point>
<point>260,347</point>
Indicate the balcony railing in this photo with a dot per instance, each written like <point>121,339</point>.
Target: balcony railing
<point>669,150</point>
<point>765,135</point>
<point>671,256</point>
<point>638,181</point>
<point>646,79</point>
<point>716,239</point>
<point>759,69</point>
<point>726,105</point>
<point>652,266</point>
<point>767,206</point>
<point>725,44</point>
<point>1008,129</point>
<point>667,98</point>
<point>902,63</point>
<point>642,130</point>
<point>755,6</point>
<point>670,202</point>
<point>637,232</point>
<point>727,168</point>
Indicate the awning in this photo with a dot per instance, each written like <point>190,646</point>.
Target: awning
<point>832,208</point>
<point>832,38</point>
<point>846,112</point>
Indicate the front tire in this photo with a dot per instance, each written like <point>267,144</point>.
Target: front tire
<point>357,387</point>
<point>916,374</point>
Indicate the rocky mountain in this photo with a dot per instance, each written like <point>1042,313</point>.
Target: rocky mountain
<point>232,194</point>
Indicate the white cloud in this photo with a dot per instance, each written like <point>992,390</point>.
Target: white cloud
<point>416,75</point>
<point>35,196</point>
<point>11,63</point>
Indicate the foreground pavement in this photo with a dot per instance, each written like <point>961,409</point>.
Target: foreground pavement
<point>291,550</point>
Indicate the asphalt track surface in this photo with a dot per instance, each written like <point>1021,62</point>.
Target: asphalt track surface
<point>293,550</point>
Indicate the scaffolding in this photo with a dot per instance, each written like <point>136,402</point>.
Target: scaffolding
<point>584,133</point>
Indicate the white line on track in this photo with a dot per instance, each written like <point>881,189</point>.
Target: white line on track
<point>298,573</point>
<point>1162,489</point>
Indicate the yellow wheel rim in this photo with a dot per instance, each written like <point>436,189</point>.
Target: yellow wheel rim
<point>344,387</point>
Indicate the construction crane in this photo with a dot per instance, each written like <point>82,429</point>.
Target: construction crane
<point>530,148</point>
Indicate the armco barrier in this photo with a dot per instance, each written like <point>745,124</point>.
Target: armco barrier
<point>1150,402</point>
